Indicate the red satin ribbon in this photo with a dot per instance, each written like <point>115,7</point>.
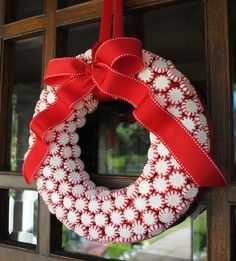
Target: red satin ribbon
<point>110,77</point>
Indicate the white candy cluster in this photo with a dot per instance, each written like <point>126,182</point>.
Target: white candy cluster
<point>161,194</point>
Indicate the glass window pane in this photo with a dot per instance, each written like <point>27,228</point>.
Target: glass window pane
<point>167,246</point>
<point>66,3</point>
<point>21,9</point>
<point>199,236</point>
<point>23,216</point>
<point>232,27</point>
<point>25,81</point>
<point>119,145</point>
<point>20,212</point>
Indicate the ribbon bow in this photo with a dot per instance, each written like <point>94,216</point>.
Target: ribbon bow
<point>110,76</point>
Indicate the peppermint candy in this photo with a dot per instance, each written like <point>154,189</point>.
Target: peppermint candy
<point>160,66</point>
<point>161,83</point>
<point>146,75</point>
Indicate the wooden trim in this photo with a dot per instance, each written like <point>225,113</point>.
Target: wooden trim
<point>220,91</point>
<point>220,100</point>
<point>24,27</point>
<point>91,11</point>
<point>15,182</point>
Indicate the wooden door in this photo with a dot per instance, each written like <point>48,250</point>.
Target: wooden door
<point>199,37</point>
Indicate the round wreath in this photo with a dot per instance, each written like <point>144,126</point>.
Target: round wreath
<point>168,183</point>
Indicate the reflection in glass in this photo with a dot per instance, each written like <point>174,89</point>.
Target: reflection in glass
<point>21,9</point>
<point>66,3</point>
<point>118,144</point>
<point>185,241</point>
<point>25,81</point>
<point>23,216</point>
<point>199,236</point>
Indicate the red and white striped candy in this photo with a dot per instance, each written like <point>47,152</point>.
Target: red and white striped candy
<point>173,199</point>
<point>130,214</point>
<point>175,111</point>
<point>147,57</point>
<point>140,203</point>
<point>101,219</point>
<point>47,171</point>
<point>91,194</point>
<point>51,185</point>
<point>167,215</point>
<point>59,175</point>
<point>74,177</point>
<point>60,212</point>
<point>152,153</point>
<point>146,75</point>
<point>107,206</point>
<point>81,204</point>
<point>111,231</point>
<point>163,167</point>
<point>65,188</point>
<point>63,138</point>
<point>162,150</point>
<point>161,184</point>
<point>56,162</point>
<point>81,230</point>
<point>145,187</point>
<point>139,228</point>
<point>121,202</point>
<point>94,205</point>
<point>56,197</point>
<point>78,190</point>
<point>94,232</point>
<point>68,202</point>
<point>132,191</point>
<point>156,201</point>
<point>175,75</point>
<point>74,138</point>
<point>155,230</point>
<point>160,66</point>
<point>161,83</point>
<point>187,88</point>
<point>87,218</point>
<point>190,107</point>
<point>161,99</point>
<point>70,165</point>
<point>175,96</point>
<point>201,136</point>
<point>201,120</point>
<point>73,217</point>
<point>149,217</point>
<point>148,170</point>
<point>190,191</point>
<point>54,148</point>
<point>189,123</point>
<point>125,232</point>
<point>66,152</point>
<point>117,217</point>
<point>177,179</point>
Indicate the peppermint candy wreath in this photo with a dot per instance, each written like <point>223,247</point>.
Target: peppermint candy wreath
<point>165,103</point>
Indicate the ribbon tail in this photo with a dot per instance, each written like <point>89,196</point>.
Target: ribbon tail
<point>34,159</point>
<point>188,153</point>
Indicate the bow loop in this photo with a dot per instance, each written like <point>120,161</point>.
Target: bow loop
<point>61,70</point>
<point>124,55</point>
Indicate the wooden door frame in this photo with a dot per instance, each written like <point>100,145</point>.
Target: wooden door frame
<point>219,92</point>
